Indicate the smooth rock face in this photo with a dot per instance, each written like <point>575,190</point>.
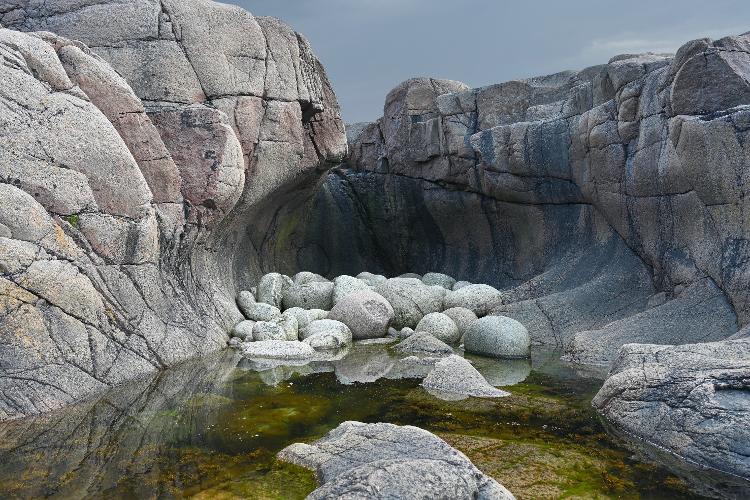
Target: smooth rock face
<point>312,295</point>
<point>440,326</point>
<point>137,157</point>
<point>692,400</point>
<point>358,460</point>
<point>454,378</point>
<point>411,300</point>
<point>498,336</point>
<point>366,313</point>
<point>423,343</point>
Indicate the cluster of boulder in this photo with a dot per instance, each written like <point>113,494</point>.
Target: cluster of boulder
<point>295,317</point>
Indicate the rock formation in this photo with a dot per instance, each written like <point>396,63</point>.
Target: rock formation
<point>145,147</point>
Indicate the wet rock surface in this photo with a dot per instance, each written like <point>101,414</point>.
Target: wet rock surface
<point>387,461</point>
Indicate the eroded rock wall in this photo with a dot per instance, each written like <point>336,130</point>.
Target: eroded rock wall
<point>142,145</point>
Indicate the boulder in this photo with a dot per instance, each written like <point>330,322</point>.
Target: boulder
<point>411,300</point>
<point>323,326</point>
<point>260,311</point>
<point>410,275</point>
<point>331,339</point>
<point>423,343</point>
<point>405,332</point>
<point>290,325</point>
<point>440,326</point>
<point>460,284</point>
<point>371,279</point>
<point>366,313</point>
<point>312,295</point>
<point>243,330</point>
<point>480,299</point>
<point>454,378</point>
<point>245,300</point>
<point>499,337</point>
<point>358,460</point>
<point>268,330</point>
<point>689,400</point>
<point>462,317</point>
<point>345,285</point>
<point>304,277</point>
<point>271,288</point>
<point>278,349</point>
<point>439,279</point>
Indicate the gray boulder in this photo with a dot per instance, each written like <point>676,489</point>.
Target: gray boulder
<point>271,288</point>
<point>245,299</point>
<point>440,326</point>
<point>345,285</point>
<point>371,461</point>
<point>324,326</point>
<point>311,295</point>
<point>460,284</point>
<point>423,343</point>
<point>304,277</point>
<point>268,330</point>
<point>260,311</point>
<point>411,300</point>
<point>366,313</point>
<point>480,299</point>
<point>439,279</point>
<point>243,330</point>
<point>690,400</point>
<point>454,378</point>
<point>462,317</point>
<point>278,349</point>
<point>498,336</point>
<point>411,275</point>
<point>371,279</point>
<point>331,339</point>
<point>405,332</point>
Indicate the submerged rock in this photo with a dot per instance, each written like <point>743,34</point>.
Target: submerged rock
<point>376,461</point>
<point>366,313</point>
<point>498,336</point>
<point>440,326</point>
<point>454,378</point>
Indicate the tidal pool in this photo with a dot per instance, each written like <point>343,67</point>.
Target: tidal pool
<point>211,428</point>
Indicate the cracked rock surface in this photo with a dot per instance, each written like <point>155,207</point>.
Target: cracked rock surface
<point>358,460</point>
<point>142,145</point>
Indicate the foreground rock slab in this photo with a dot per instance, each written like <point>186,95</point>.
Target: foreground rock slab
<point>379,461</point>
<point>692,400</point>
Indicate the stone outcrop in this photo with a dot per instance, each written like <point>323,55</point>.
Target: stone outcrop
<point>358,460</point>
<point>144,146</point>
<point>607,203</point>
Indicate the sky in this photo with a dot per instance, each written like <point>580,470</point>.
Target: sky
<point>370,46</point>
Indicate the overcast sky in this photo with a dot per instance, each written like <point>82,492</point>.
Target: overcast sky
<point>369,46</point>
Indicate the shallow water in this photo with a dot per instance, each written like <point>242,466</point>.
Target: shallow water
<point>211,429</point>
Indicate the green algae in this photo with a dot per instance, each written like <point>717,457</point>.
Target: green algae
<point>543,441</point>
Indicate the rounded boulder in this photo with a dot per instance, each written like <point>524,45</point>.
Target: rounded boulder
<point>498,337</point>
<point>480,299</point>
<point>312,295</point>
<point>366,313</point>
<point>411,300</point>
<point>440,326</point>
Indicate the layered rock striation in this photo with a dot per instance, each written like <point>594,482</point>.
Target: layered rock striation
<point>144,146</point>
